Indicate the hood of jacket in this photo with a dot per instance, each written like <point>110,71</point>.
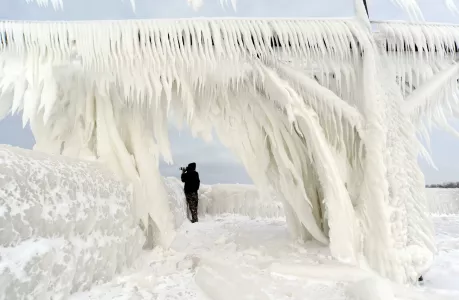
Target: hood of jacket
<point>191,167</point>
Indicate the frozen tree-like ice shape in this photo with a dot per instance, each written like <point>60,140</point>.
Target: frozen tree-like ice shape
<point>321,110</point>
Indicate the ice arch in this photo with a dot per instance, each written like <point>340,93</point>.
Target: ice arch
<point>312,107</point>
<point>257,86</point>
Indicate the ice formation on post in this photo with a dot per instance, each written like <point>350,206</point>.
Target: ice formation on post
<point>324,111</point>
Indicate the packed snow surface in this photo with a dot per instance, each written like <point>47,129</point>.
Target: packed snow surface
<point>236,257</point>
<point>230,256</point>
<point>55,242</point>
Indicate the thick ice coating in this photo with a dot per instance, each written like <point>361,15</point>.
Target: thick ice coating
<point>66,224</point>
<point>323,111</point>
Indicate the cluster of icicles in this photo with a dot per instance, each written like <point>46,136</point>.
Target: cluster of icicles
<point>323,111</point>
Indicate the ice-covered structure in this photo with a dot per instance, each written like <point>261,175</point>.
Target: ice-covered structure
<point>324,111</point>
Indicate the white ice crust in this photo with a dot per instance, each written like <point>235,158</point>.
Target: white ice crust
<point>65,224</point>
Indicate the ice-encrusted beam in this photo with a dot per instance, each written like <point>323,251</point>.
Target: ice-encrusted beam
<point>409,47</point>
<point>222,39</point>
<point>418,37</point>
<point>276,43</point>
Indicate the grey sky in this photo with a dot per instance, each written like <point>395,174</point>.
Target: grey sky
<point>215,162</point>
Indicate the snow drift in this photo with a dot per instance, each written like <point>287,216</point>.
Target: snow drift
<point>65,225</point>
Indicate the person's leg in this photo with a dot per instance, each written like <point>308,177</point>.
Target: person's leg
<point>189,205</point>
<point>194,207</point>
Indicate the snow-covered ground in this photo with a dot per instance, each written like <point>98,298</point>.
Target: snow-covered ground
<point>240,249</point>
<point>235,257</point>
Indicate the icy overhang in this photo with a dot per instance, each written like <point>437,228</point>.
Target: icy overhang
<point>179,40</point>
<point>433,38</point>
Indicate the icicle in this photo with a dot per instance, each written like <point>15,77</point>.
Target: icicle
<point>451,5</point>
<point>419,97</point>
<point>57,4</point>
<point>195,4</point>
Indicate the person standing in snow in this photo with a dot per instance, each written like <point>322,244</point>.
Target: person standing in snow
<point>192,183</point>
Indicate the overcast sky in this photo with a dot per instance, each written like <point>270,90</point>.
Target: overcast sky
<point>215,163</point>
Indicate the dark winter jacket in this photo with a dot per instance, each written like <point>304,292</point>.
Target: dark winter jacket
<point>191,179</point>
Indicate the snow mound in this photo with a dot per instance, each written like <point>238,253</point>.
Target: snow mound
<point>65,225</point>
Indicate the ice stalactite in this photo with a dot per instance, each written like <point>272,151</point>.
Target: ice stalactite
<point>89,121</point>
<point>412,7</point>
<point>195,4</point>
<point>452,6</point>
<point>336,198</point>
<point>57,4</point>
